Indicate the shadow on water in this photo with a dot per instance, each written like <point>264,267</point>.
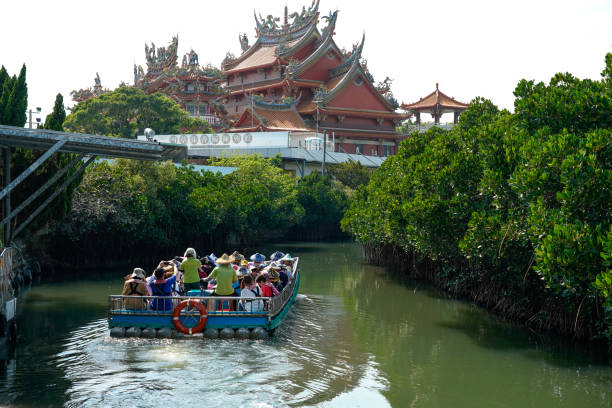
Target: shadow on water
<point>491,332</point>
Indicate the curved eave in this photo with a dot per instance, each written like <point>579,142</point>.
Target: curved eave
<point>325,46</point>
<point>313,33</point>
<point>243,56</point>
<point>252,67</point>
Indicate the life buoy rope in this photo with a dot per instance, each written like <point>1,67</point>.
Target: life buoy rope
<point>186,304</point>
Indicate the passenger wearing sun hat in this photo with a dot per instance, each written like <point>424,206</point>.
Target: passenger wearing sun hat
<point>276,256</point>
<point>135,286</point>
<point>190,268</point>
<point>225,275</point>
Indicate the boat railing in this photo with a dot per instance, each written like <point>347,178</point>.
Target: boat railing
<point>277,303</point>
<point>216,305</point>
<point>165,305</point>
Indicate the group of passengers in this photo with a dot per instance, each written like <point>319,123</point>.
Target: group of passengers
<point>227,275</point>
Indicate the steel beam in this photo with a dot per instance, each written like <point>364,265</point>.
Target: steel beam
<point>7,199</point>
<point>32,167</point>
<point>41,190</point>
<point>52,196</point>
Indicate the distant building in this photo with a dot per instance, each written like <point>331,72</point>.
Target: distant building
<point>87,93</point>
<point>193,86</point>
<point>295,78</point>
<point>436,104</point>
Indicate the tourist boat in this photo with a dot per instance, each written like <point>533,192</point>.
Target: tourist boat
<point>207,316</point>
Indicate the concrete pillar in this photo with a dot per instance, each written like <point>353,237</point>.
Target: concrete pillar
<point>456,118</point>
<point>418,118</point>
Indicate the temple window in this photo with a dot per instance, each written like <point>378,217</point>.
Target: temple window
<point>191,109</point>
<point>265,73</point>
<point>358,149</point>
<point>190,88</point>
<point>202,109</point>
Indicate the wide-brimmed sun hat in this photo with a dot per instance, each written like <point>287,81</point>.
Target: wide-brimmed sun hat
<point>138,273</point>
<point>276,256</point>
<point>190,252</point>
<point>237,256</point>
<point>224,260</point>
<point>274,266</point>
<point>258,257</point>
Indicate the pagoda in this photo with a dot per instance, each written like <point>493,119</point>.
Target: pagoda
<point>193,86</point>
<point>295,78</point>
<point>436,104</point>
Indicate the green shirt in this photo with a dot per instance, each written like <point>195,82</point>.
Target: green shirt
<point>225,275</point>
<point>190,268</point>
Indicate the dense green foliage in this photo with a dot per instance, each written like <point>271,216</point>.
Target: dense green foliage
<point>127,111</point>
<point>511,209</point>
<point>130,209</point>
<point>350,173</point>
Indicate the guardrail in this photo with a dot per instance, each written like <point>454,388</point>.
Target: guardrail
<point>218,305</point>
<point>165,305</point>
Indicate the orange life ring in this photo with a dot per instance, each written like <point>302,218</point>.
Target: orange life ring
<point>177,313</point>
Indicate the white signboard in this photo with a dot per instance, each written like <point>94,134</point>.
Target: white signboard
<point>226,140</point>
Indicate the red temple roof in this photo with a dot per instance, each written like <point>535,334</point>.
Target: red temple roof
<point>436,98</point>
<point>270,119</point>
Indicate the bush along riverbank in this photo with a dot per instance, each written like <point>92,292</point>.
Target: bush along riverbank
<point>129,212</point>
<point>511,210</point>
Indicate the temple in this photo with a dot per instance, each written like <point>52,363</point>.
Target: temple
<point>193,86</point>
<point>436,104</point>
<point>295,78</point>
<point>88,93</point>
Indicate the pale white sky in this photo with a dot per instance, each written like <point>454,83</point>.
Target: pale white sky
<point>471,47</point>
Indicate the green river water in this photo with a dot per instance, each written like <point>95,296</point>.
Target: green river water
<point>357,336</point>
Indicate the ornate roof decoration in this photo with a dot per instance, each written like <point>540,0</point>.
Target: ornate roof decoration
<point>92,92</point>
<point>244,42</point>
<point>163,58</point>
<point>229,58</point>
<point>437,100</point>
<point>354,56</point>
<point>286,102</point>
<point>330,29</point>
<point>270,32</point>
<point>190,61</point>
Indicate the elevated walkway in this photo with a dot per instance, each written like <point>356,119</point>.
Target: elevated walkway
<point>87,147</point>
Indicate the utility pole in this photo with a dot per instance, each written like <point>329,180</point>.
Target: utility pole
<point>324,152</point>
<point>30,117</point>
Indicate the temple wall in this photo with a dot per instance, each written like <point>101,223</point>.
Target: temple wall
<point>250,77</point>
<point>319,71</point>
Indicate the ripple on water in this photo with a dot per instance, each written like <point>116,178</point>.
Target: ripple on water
<point>302,364</point>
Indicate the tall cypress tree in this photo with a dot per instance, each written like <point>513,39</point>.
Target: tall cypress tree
<point>5,93</point>
<point>15,110</point>
<point>55,121</point>
<point>3,77</point>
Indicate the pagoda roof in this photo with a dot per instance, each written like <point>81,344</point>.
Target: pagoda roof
<point>436,98</point>
<point>325,43</point>
<point>272,118</point>
<point>257,57</point>
<point>277,43</point>
<point>269,32</point>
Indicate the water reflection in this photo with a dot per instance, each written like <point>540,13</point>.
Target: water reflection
<point>356,336</point>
